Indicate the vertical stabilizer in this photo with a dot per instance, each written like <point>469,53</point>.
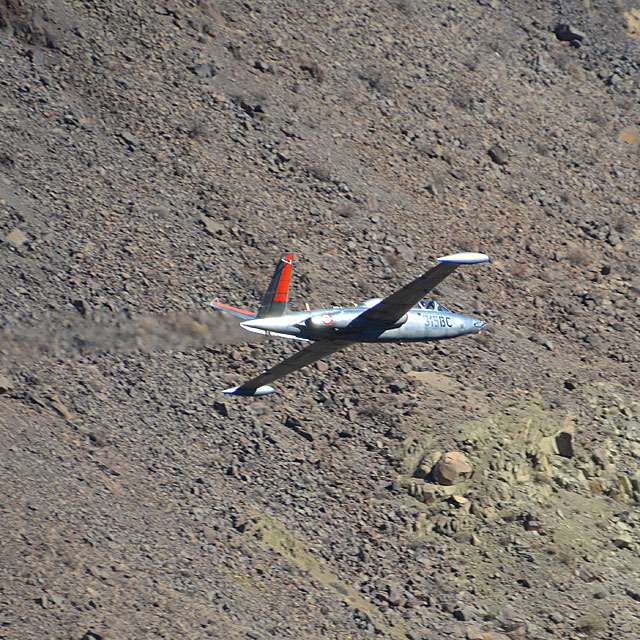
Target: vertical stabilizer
<point>274,302</point>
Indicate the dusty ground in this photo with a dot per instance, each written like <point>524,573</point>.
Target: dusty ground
<point>157,155</point>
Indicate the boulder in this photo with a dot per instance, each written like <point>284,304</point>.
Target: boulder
<point>564,442</point>
<point>452,467</point>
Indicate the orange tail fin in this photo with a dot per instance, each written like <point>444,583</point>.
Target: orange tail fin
<point>274,302</point>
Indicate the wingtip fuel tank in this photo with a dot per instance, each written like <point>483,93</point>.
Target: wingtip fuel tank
<point>465,258</point>
<point>260,391</point>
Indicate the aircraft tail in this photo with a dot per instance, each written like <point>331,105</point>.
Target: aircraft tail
<point>274,302</point>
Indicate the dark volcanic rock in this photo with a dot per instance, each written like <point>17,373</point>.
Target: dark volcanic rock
<point>568,33</point>
<point>156,156</point>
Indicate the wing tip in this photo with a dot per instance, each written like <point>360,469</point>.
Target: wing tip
<point>239,391</point>
<point>465,258</point>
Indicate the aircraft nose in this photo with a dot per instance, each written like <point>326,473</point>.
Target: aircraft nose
<point>472,325</point>
<point>479,325</point>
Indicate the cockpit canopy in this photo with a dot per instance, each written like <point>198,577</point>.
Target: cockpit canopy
<point>431,305</point>
<point>427,304</point>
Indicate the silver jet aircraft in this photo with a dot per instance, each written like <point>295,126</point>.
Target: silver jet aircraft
<point>403,316</point>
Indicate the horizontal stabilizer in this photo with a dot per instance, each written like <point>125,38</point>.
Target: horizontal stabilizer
<point>240,313</point>
<point>465,258</point>
<point>260,391</point>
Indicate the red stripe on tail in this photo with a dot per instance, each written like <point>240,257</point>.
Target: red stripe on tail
<point>285,278</point>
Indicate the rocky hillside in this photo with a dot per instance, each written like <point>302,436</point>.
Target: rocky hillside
<point>159,155</point>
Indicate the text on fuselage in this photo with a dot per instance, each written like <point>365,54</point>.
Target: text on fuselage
<point>438,321</point>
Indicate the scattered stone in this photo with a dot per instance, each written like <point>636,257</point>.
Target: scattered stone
<point>405,252</point>
<point>423,491</point>
<point>600,456</point>
<point>623,540</point>
<point>399,386</point>
<point>6,384</point>
<point>129,139</point>
<point>595,486</point>
<point>630,135</point>
<point>240,524</point>
<point>532,522</point>
<point>626,485</point>
<point>547,446</point>
<point>564,442</point>
<point>212,227</point>
<point>426,465</point>
<point>509,618</point>
<point>16,238</point>
<point>210,535</point>
<point>296,425</point>
<point>498,154</point>
<point>98,438</point>
<point>61,409</point>
<point>632,22</point>
<point>474,632</point>
<point>394,595</point>
<point>540,64</point>
<point>263,66</point>
<point>451,468</point>
<point>222,408</point>
<point>556,617</point>
<point>541,462</point>
<point>459,501</point>
<point>204,70</point>
<point>6,160</point>
<point>82,306</point>
<point>464,612</point>
<point>633,591</point>
<point>568,33</point>
<point>525,582</point>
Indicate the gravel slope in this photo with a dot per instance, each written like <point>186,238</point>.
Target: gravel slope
<point>157,155</point>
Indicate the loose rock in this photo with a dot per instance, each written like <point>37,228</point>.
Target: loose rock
<point>6,384</point>
<point>451,468</point>
<point>564,443</point>
<point>498,154</point>
<point>568,33</point>
<point>16,238</point>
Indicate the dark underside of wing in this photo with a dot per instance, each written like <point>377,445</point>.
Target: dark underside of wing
<point>393,307</point>
<point>311,353</point>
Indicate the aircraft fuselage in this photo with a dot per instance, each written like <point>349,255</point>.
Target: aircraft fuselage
<point>343,323</point>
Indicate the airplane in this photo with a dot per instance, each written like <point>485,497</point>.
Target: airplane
<point>404,316</point>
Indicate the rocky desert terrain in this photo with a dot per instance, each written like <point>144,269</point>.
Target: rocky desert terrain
<point>157,155</point>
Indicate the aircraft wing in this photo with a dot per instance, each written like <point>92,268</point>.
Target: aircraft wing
<point>260,384</point>
<point>393,307</point>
